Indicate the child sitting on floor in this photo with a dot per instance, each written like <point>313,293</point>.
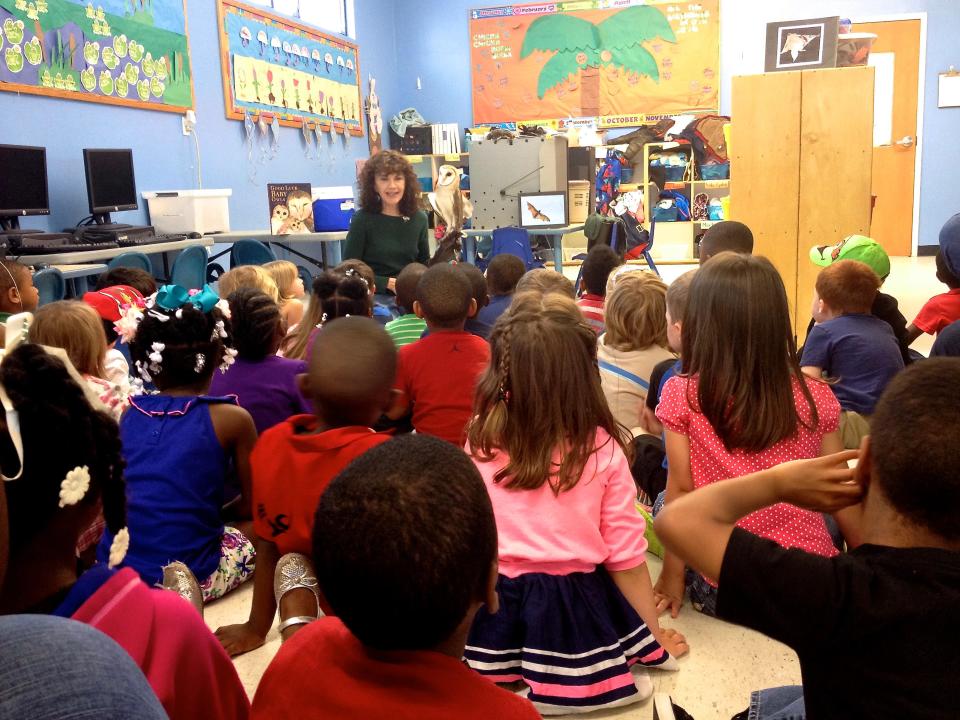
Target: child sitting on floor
<point>265,385</point>
<point>741,405</point>
<point>113,304</point>
<point>941,310</point>
<point>726,236</point>
<point>634,342</point>
<point>405,549</point>
<point>17,292</point>
<point>869,252</point>
<point>76,327</point>
<point>407,328</point>
<point>897,593</point>
<point>290,285</point>
<point>576,602</point>
<point>252,276</point>
<point>481,294</point>
<point>379,312</point>
<point>350,381</point>
<point>181,446</point>
<point>436,375</point>
<point>335,295</point>
<point>849,345</point>
<point>503,274</point>
<point>61,489</point>
<point>544,281</point>
<point>600,262</point>
<point>139,280</point>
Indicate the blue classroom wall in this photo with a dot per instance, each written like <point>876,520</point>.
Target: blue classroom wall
<point>434,46</point>
<point>165,159</point>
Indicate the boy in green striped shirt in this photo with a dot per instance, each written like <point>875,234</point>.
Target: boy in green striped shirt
<point>408,327</point>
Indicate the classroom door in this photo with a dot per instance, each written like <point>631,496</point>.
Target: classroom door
<point>896,59</point>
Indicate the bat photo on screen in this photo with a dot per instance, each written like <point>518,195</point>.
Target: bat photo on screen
<point>536,214</point>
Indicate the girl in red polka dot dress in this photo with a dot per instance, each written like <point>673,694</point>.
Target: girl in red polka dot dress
<point>742,405</point>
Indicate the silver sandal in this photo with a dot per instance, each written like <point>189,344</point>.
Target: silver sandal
<point>178,578</point>
<point>294,572</point>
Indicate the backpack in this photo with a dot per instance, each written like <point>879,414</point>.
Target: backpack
<point>608,180</point>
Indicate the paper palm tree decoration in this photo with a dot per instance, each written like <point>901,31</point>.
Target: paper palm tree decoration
<point>584,47</point>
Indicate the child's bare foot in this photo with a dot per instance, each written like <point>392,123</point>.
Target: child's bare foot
<point>673,642</point>
<point>238,639</point>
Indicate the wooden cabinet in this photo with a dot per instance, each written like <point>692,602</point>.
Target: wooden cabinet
<point>801,164</point>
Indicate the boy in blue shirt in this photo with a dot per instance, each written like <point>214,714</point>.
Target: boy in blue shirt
<point>849,345</point>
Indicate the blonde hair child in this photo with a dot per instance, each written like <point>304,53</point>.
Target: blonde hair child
<point>634,342</point>
<point>290,285</point>
<point>248,276</point>
<point>77,328</point>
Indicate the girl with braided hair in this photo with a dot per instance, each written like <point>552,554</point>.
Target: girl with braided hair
<point>52,496</point>
<point>575,595</point>
<point>265,385</point>
<point>335,294</point>
<point>185,449</point>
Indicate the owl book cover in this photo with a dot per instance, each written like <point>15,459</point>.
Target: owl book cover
<point>291,208</point>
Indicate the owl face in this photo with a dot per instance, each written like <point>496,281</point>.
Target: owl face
<point>300,205</point>
<point>281,213</point>
<point>447,175</point>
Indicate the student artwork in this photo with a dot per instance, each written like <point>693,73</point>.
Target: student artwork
<point>374,119</point>
<point>587,59</point>
<point>122,52</point>
<point>294,73</point>
<point>291,208</point>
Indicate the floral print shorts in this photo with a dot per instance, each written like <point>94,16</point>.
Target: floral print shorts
<point>237,560</point>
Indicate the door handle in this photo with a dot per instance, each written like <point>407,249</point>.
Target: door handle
<point>905,142</point>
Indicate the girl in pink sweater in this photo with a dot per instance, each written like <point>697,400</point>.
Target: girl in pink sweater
<point>575,595</point>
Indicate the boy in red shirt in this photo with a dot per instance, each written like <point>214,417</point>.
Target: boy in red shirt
<point>349,382</point>
<point>941,310</point>
<point>405,547</point>
<point>601,261</point>
<point>437,374</point>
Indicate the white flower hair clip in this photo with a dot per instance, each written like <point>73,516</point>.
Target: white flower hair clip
<point>352,272</point>
<point>74,486</point>
<point>143,372</point>
<point>156,357</point>
<point>219,331</point>
<point>119,547</point>
<point>229,358</point>
<point>200,363</point>
<point>224,307</point>
<point>126,327</point>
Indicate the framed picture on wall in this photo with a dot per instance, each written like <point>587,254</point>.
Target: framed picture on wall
<point>134,55</point>
<point>802,44</point>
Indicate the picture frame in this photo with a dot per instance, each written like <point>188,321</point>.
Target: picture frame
<point>543,210</point>
<point>802,44</point>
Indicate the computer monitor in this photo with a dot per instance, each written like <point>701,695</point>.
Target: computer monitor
<point>23,185</point>
<point>111,186</point>
<point>543,210</point>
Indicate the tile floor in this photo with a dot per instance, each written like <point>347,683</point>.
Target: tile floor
<point>726,662</point>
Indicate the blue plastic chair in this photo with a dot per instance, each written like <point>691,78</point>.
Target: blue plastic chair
<point>512,241</point>
<point>190,268</point>
<point>50,284</point>
<point>136,260</point>
<point>250,252</point>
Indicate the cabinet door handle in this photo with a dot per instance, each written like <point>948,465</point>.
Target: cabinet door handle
<point>905,142</point>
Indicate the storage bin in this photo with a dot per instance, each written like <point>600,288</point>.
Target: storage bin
<point>669,214</point>
<point>674,173</point>
<point>333,207</point>
<point>418,140</point>
<point>715,171</point>
<point>187,211</point>
<point>426,183</point>
<point>578,200</point>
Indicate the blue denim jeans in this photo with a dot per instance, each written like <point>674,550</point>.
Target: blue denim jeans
<point>781,703</point>
<point>52,668</point>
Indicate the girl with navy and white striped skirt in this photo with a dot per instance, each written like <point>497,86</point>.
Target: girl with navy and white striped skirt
<point>577,610</point>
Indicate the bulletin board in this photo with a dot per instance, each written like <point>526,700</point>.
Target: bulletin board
<point>623,64</point>
<point>277,66</point>
<point>121,52</point>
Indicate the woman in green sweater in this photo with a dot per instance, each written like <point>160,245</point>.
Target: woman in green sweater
<point>389,231</point>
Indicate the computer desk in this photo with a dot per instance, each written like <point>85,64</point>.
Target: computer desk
<point>76,276</point>
<point>329,248</point>
<point>86,256</point>
<point>470,242</point>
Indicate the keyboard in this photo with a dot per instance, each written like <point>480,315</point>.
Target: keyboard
<point>54,243</point>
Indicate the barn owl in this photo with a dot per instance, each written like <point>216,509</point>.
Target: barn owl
<point>450,204</point>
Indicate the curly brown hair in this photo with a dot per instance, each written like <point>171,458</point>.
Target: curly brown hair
<point>387,162</point>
